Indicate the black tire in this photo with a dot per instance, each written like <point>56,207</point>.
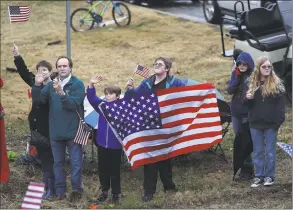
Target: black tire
<point>215,16</point>
<point>121,5</point>
<point>75,12</point>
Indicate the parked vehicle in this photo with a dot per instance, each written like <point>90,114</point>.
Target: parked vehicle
<point>214,9</point>
<point>152,3</point>
<point>266,32</point>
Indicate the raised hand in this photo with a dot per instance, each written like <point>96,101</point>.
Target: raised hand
<point>130,84</point>
<point>96,79</point>
<point>39,79</point>
<point>15,50</point>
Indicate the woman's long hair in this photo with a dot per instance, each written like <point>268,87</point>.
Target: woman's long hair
<point>272,85</point>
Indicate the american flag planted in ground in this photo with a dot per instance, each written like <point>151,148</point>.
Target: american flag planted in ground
<point>154,127</point>
<point>142,71</point>
<point>19,13</point>
<point>33,196</point>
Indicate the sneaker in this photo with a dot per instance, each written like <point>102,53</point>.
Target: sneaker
<point>256,182</point>
<point>102,198</point>
<point>268,181</point>
<point>147,197</point>
<point>116,198</point>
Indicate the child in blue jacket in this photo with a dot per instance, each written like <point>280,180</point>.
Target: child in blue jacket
<point>109,147</point>
<point>239,110</point>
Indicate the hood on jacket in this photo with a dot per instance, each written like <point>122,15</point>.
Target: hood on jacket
<point>246,57</point>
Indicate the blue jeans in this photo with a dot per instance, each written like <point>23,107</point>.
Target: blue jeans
<point>75,157</point>
<point>264,151</point>
<point>236,123</point>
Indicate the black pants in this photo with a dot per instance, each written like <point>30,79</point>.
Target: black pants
<point>109,161</point>
<point>151,176</point>
<point>47,162</point>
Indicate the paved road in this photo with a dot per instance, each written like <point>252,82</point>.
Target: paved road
<point>184,9</point>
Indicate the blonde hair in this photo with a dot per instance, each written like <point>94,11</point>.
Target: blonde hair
<point>272,85</point>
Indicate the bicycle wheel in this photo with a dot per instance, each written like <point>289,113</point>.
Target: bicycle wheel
<point>121,14</point>
<point>84,19</point>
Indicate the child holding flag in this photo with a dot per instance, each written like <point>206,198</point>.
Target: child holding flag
<point>109,148</point>
<point>160,80</point>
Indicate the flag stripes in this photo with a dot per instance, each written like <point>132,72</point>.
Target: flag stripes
<point>19,13</point>
<point>82,134</point>
<point>190,121</point>
<point>33,196</point>
<point>142,71</point>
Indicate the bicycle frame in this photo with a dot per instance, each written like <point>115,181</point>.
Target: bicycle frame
<point>94,10</point>
<point>93,7</point>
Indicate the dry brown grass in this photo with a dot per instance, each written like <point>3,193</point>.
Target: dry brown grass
<point>194,48</point>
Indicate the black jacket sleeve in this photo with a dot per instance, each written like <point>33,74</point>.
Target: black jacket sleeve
<point>27,76</point>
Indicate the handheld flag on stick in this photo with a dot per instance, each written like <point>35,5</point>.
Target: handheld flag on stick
<point>142,71</point>
<point>18,14</point>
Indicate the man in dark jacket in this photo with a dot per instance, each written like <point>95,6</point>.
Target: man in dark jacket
<point>239,110</point>
<point>65,96</point>
<point>161,80</point>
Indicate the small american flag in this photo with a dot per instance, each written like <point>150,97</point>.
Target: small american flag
<point>83,133</point>
<point>286,147</point>
<point>33,196</point>
<point>19,13</point>
<point>158,126</point>
<point>142,71</point>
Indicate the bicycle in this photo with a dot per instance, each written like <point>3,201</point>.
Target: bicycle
<point>95,14</point>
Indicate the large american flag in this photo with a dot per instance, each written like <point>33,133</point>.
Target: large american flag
<point>142,71</point>
<point>157,126</point>
<point>19,13</point>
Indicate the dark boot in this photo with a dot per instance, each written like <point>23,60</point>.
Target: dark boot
<point>51,192</point>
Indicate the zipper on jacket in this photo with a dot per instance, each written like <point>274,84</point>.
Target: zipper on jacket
<point>107,136</point>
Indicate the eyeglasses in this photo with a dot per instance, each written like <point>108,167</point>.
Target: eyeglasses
<point>266,67</point>
<point>158,65</point>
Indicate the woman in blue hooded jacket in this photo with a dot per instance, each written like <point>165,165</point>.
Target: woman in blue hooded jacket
<point>239,110</point>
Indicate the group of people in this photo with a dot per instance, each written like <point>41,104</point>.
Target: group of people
<point>257,99</point>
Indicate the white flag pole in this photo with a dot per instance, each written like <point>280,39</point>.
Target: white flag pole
<point>11,26</point>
